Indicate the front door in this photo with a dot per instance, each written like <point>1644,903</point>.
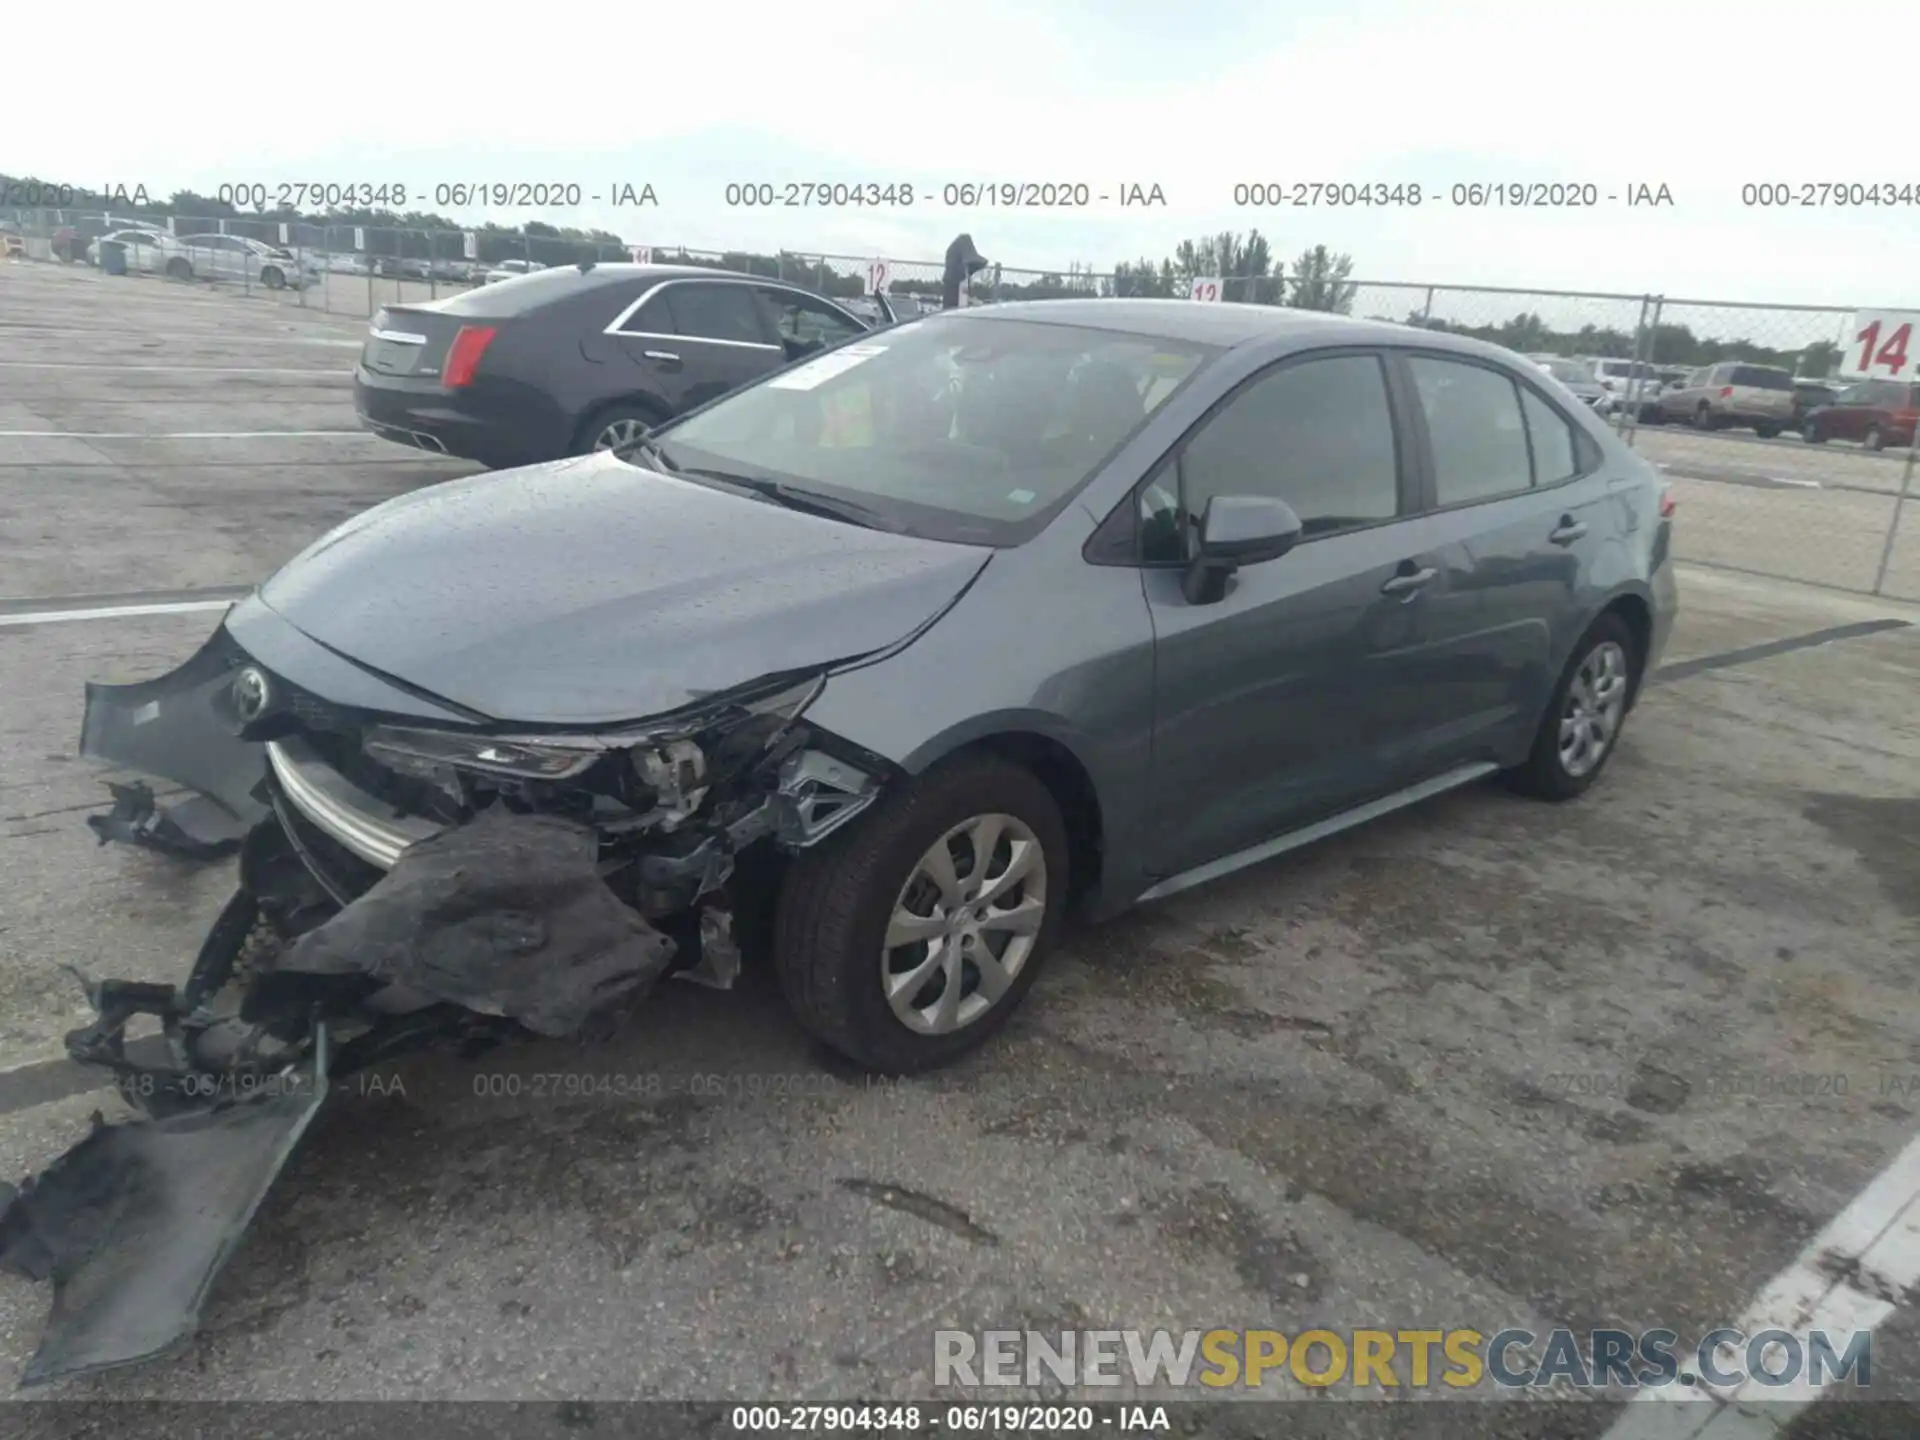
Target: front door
<point>1287,699</point>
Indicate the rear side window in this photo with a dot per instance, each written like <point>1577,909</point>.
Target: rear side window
<point>1759,377</point>
<point>1556,450</point>
<point>1474,428</point>
<point>716,312</point>
<point>652,318</point>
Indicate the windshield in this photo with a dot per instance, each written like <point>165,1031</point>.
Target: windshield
<point>955,428</point>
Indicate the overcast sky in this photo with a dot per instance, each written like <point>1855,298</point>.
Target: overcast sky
<point>1697,95</point>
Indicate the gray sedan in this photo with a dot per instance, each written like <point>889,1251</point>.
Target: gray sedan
<point>882,668</point>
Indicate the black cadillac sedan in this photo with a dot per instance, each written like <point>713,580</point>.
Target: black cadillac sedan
<point>578,358</point>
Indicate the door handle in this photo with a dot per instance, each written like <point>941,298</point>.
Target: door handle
<point>665,357</point>
<point>1569,530</point>
<point>1409,584</point>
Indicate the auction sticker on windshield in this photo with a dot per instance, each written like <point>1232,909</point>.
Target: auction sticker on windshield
<point>817,372</point>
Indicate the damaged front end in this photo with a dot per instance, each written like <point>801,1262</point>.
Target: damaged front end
<point>409,876</point>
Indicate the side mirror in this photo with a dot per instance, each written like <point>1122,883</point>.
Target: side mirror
<point>1237,530</point>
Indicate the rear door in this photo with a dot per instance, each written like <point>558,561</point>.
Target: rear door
<point>1520,512</point>
<point>697,339</point>
<point>1847,419</point>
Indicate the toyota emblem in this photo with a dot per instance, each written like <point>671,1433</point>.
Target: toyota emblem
<point>251,694</point>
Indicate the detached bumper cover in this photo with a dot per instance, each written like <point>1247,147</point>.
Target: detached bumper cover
<point>506,915</point>
<point>135,1223</point>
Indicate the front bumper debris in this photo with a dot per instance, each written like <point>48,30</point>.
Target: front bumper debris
<point>506,915</point>
<point>134,1224</point>
<point>367,925</point>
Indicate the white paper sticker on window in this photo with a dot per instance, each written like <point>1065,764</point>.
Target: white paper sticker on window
<point>818,372</point>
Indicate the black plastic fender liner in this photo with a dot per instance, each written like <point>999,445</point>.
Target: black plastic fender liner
<point>135,1223</point>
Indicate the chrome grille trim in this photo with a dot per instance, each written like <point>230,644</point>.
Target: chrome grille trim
<point>362,823</point>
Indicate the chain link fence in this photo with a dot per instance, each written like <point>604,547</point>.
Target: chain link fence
<point>1722,397</point>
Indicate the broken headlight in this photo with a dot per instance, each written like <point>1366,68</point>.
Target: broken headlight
<point>409,750</point>
<point>563,756</point>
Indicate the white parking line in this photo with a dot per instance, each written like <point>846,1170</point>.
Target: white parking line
<point>1797,484</point>
<point>176,434</point>
<point>113,612</point>
<point>181,369</point>
<point>1844,1280</point>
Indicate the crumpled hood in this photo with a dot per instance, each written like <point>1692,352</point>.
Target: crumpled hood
<point>592,591</point>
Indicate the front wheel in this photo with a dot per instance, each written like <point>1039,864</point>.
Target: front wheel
<point>274,278</point>
<point>1813,435</point>
<point>1582,723</point>
<point>1874,439</point>
<point>179,269</point>
<point>1766,432</point>
<point>909,938</point>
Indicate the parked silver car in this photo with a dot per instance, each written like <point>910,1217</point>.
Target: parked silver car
<point>147,250</point>
<point>240,260</point>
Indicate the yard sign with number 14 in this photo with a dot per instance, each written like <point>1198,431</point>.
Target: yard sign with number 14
<point>1883,345</point>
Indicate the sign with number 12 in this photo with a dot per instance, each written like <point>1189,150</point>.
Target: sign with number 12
<point>1882,346</point>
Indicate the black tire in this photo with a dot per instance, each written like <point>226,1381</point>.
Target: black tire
<point>1813,435</point>
<point>1766,432</point>
<point>1703,419</point>
<point>274,278</point>
<point>1544,775</point>
<point>837,899</point>
<point>178,268</point>
<point>597,422</point>
<point>1874,439</point>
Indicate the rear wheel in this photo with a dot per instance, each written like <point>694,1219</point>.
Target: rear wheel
<point>1703,419</point>
<point>179,269</point>
<point>1813,434</point>
<point>1581,725</point>
<point>614,427</point>
<point>1766,432</point>
<point>910,937</point>
<point>1874,439</point>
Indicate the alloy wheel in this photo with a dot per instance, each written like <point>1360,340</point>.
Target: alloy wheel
<point>618,434</point>
<point>1596,700</point>
<point>965,924</point>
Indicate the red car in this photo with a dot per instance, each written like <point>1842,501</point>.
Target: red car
<point>1877,413</point>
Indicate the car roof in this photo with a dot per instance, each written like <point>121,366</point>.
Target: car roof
<point>1229,325</point>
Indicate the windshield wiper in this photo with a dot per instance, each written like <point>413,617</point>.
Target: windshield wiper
<point>648,446</point>
<point>810,502</point>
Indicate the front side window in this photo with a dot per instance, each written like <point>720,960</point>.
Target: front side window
<point>968,429</point>
<point>809,324</point>
<point>1317,434</point>
<point>1474,428</point>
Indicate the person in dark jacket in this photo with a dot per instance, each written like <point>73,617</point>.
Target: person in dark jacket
<point>962,263</point>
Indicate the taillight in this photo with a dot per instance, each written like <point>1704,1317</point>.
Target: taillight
<point>1668,504</point>
<point>463,356</point>
<point>1726,392</point>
